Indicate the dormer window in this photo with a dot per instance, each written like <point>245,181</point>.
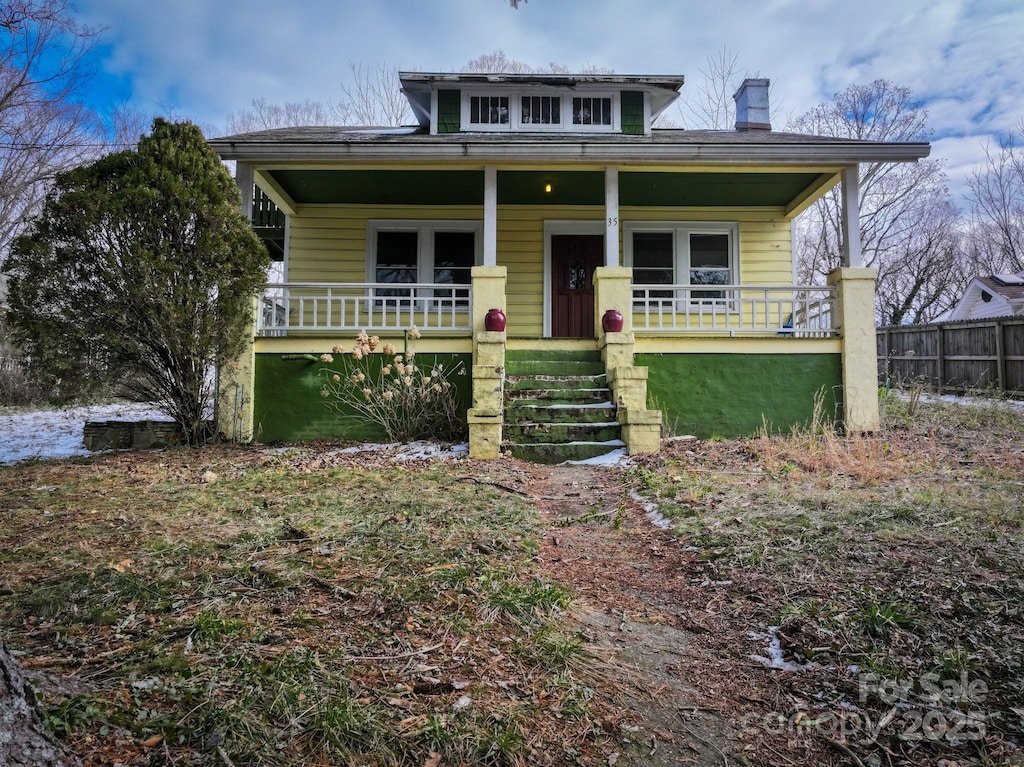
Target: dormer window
<point>519,110</point>
<point>592,111</point>
<point>488,110</point>
<point>542,110</point>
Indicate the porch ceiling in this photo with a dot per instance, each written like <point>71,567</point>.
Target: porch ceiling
<point>527,187</point>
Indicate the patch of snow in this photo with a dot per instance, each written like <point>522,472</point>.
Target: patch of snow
<point>591,406</point>
<point>57,433</point>
<point>961,399</point>
<point>408,452</point>
<point>651,510</point>
<point>614,458</point>
<point>774,657</point>
<point>431,450</point>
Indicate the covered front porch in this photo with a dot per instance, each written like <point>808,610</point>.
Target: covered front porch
<point>556,256</point>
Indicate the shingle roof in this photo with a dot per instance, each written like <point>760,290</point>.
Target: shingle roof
<point>1009,292</point>
<point>673,145</point>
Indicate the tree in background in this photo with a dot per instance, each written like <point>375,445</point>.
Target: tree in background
<point>997,207</point>
<point>372,97</point>
<point>43,130</point>
<point>140,271</point>
<point>897,201</point>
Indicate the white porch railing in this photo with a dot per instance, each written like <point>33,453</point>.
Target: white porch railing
<point>802,311</point>
<point>332,307</point>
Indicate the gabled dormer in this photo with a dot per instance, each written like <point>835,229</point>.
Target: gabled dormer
<point>561,104</point>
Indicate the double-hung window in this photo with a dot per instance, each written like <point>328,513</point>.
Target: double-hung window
<point>688,256</point>
<point>439,253</point>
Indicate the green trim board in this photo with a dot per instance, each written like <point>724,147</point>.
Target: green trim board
<point>383,187</point>
<point>712,189</point>
<point>288,406</point>
<point>734,395</point>
<point>526,187</point>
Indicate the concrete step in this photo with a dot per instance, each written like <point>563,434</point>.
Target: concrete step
<point>536,382</point>
<point>562,451</point>
<point>570,397</point>
<point>548,412</point>
<point>562,367</point>
<point>527,433</point>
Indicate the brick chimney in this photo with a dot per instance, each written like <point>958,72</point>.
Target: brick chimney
<point>752,105</point>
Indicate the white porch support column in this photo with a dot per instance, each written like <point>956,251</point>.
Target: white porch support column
<point>611,212</point>
<point>244,179</point>
<point>490,215</point>
<point>852,256</point>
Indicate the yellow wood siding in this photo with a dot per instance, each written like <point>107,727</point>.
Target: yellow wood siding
<point>328,244</point>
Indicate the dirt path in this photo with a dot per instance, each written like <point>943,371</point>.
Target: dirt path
<point>634,583</point>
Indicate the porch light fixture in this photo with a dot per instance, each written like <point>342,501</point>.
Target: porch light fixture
<point>547,187</point>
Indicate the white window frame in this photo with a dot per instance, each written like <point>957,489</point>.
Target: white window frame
<point>681,231</point>
<point>424,243</point>
<point>516,124</point>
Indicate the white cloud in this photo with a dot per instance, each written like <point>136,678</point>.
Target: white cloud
<point>204,60</point>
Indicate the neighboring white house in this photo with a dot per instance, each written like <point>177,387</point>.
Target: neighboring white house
<point>998,295</point>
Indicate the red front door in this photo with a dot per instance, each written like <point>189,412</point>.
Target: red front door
<point>574,257</point>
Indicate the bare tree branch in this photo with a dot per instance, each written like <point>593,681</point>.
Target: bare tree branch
<point>43,130</point>
<point>908,223</point>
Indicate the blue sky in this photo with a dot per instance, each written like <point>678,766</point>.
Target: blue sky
<point>204,59</point>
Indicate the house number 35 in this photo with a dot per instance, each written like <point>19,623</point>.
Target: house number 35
<point>613,221</point>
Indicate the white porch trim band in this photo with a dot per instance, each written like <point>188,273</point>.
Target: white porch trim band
<point>852,255</point>
<point>611,212</point>
<point>490,215</point>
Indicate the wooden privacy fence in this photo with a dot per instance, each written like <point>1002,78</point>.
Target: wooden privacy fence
<point>955,356</point>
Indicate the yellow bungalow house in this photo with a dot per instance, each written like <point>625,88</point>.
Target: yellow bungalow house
<point>554,199</point>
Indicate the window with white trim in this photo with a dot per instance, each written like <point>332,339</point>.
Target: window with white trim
<point>514,110</point>
<point>541,110</point>
<point>589,110</point>
<point>488,110</point>
<point>692,254</point>
<point>437,252</point>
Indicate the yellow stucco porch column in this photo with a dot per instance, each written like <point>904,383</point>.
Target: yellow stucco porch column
<point>235,382</point>
<point>641,428</point>
<point>485,417</point>
<point>855,308</point>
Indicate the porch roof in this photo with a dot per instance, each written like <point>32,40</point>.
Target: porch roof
<point>330,164</point>
<point>334,144</point>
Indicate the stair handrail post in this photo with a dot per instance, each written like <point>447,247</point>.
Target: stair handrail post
<point>641,428</point>
<point>485,417</point>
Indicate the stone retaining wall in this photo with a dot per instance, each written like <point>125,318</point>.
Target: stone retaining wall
<point>120,435</point>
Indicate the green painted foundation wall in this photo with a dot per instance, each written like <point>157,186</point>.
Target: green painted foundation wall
<point>288,406</point>
<point>732,395</point>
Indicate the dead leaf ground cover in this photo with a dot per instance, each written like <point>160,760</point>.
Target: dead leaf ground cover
<point>878,580</point>
<point>231,606</point>
<point>813,600</point>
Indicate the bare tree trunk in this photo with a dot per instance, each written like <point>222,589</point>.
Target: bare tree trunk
<point>23,739</point>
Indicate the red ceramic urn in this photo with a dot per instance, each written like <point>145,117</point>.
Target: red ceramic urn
<point>494,320</point>
<point>612,321</point>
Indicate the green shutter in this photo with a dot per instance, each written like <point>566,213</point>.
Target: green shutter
<point>449,111</point>
<point>633,112</point>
